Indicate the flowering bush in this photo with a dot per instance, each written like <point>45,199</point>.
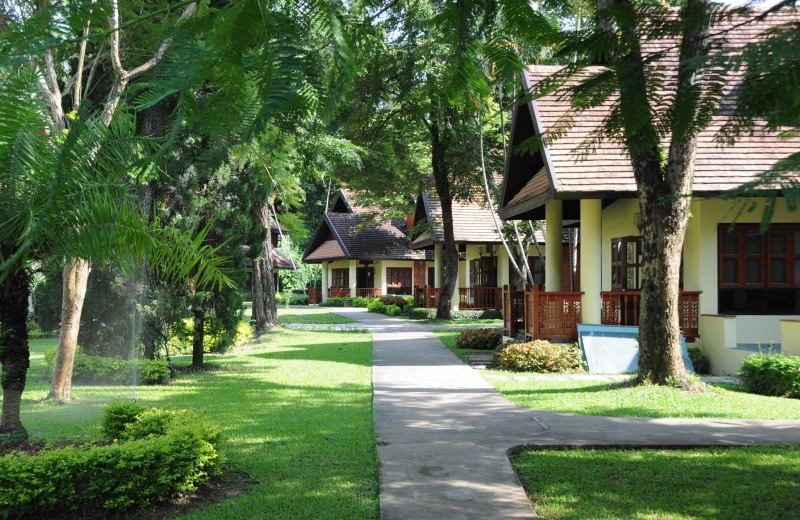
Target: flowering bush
<point>540,356</point>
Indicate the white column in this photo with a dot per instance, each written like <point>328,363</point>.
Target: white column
<point>591,242</point>
<point>380,277</point>
<point>438,254</point>
<point>553,252</point>
<point>324,281</point>
<point>353,280</point>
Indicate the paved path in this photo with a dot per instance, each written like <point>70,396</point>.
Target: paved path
<point>443,430</point>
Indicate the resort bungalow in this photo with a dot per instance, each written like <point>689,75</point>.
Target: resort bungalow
<point>484,266</point>
<point>363,259</point>
<point>740,287</point>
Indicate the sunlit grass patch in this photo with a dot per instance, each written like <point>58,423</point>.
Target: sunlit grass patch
<point>752,482</point>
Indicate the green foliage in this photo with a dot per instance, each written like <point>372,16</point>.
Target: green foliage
<point>393,310</point>
<point>540,356</point>
<point>481,314</point>
<point>47,298</point>
<point>480,339</point>
<point>106,327</point>
<point>772,374</point>
<point>113,370</point>
<point>359,301</point>
<point>117,416</point>
<point>422,313</point>
<point>701,363</point>
<point>155,422</point>
<point>294,299</point>
<point>166,456</point>
<point>377,306</point>
<point>334,301</point>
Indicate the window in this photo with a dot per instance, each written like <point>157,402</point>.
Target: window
<point>759,273</point>
<point>536,265</point>
<point>340,277</point>
<point>398,280</point>
<point>483,272</point>
<point>626,263</point>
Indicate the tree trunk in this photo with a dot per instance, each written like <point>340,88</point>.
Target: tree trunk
<point>442,181</point>
<point>197,337</point>
<point>14,354</point>
<point>664,190</point>
<point>268,274</point>
<point>258,298</point>
<point>76,276</point>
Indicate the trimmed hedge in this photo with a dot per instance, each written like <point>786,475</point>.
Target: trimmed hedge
<point>113,370</point>
<point>772,374</point>
<point>480,339</point>
<point>359,301</point>
<point>400,301</point>
<point>294,299</point>
<point>422,313</point>
<point>540,356</point>
<point>116,477</point>
<point>334,301</point>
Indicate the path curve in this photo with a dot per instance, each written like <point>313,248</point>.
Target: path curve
<point>443,430</point>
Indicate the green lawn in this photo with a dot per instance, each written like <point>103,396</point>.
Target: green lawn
<point>588,397</point>
<point>311,315</point>
<point>752,482</point>
<point>297,416</point>
<point>462,322</point>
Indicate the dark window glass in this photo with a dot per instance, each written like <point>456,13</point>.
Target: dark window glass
<point>730,242</point>
<point>753,242</point>
<point>777,241</point>
<point>777,267</point>
<point>753,267</point>
<point>730,270</point>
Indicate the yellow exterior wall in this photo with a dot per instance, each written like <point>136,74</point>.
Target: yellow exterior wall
<point>720,337</point>
<point>700,259</point>
<point>790,332</point>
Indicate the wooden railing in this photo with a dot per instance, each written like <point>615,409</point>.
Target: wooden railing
<point>622,308</point>
<point>513,310</point>
<point>427,296</point>
<point>480,298</point>
<point>552,315</point>
<point>314,295</point>
<point>368,292</point>
<point>339,292</point>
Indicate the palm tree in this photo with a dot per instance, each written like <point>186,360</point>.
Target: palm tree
<point>69,195</point>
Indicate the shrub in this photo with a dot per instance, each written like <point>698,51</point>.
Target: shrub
<point>393,310</point>
<point>699,360</point>
<point>422,313</point>
<point>772,374</point>
<point>480,339</point>
<point>155,422</point>
<point>395,300</point>
<point>358,301</point>
<point>482,314</point>
<point>377,306</point>
<point>114,477</point>
<point>540,356</point>
<point>334,301</point>
<point>294,298</point>
<point>113,370</point>
<point>117,415</point>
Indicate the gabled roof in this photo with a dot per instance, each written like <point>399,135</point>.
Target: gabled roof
<point>566,169</point>
<point>342,236</point>
<point>472,221</point>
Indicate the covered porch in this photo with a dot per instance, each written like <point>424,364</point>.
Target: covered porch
<point>607,298</point>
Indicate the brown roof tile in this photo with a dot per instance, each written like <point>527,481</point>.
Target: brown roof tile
<point>606,167</point>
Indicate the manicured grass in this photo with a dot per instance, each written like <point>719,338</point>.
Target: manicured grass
<point>311,315</point>
<point>463,322</point>
<point>593,397</point>
<point>623,399</point>
<point>296,410</point>
<point>752,482</point>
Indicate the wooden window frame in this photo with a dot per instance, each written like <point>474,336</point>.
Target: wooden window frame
<point>399,277</point>
<point>619,262</point>
<point>765,256</point>
<point>340,277</point>
<point>486,273</point>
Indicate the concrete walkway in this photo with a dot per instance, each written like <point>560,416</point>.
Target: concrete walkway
<point>443,430</point>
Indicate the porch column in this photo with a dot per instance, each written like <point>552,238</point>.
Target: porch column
<point>553,244</point>
<point>353,279</point>
<point>380,278</point>
<point>324,281</point>
<point>438,257</point>
<point>591,260</point>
